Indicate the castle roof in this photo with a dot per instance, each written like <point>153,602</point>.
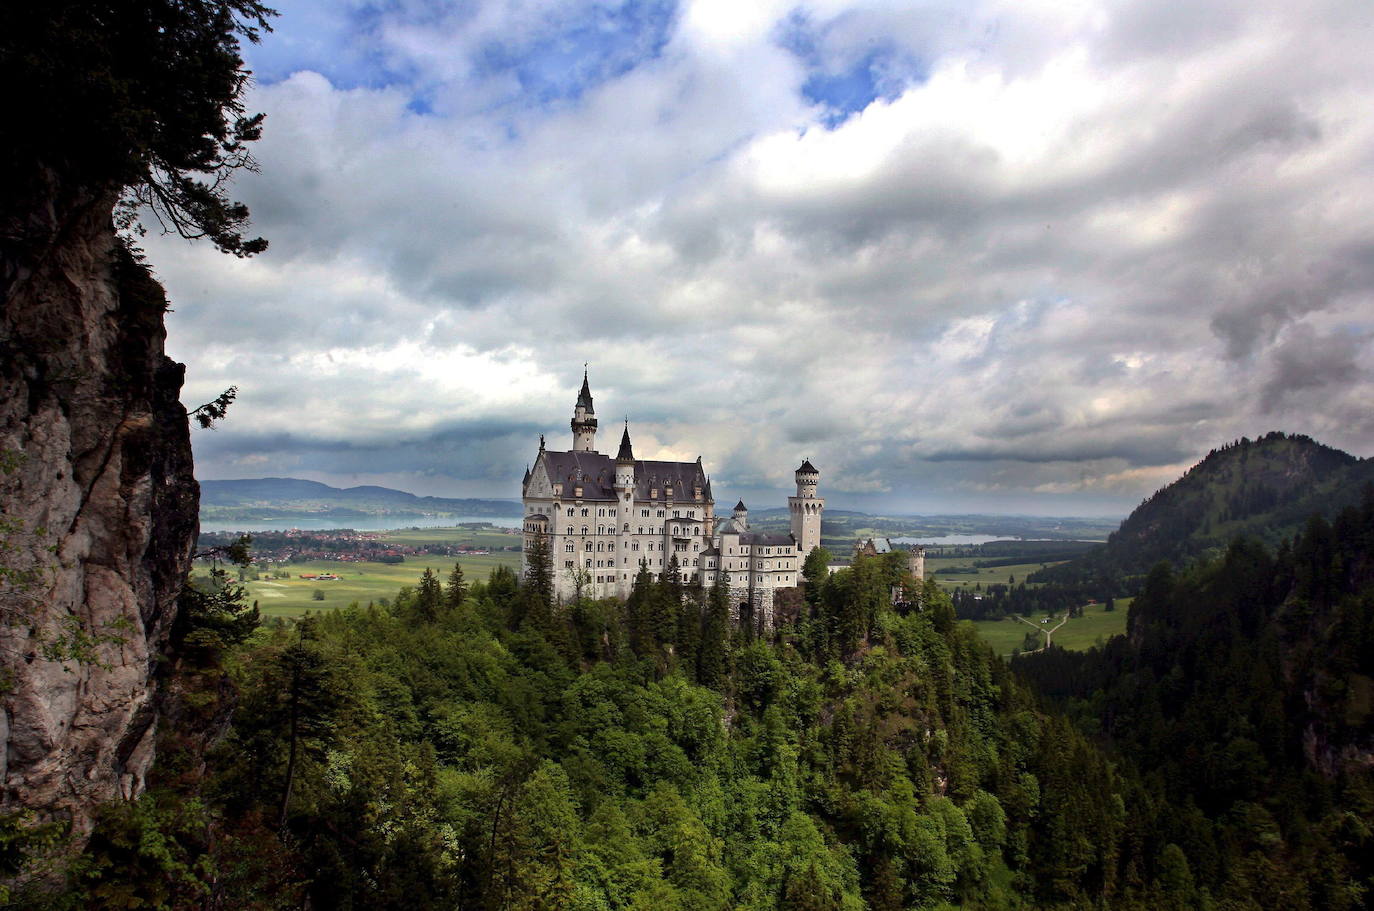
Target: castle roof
<point>595,473</point>
<point>807,467</point>
<point>760,538</point>
<point>584,398</point>
<point>740,507</point>
<point>626,454</point>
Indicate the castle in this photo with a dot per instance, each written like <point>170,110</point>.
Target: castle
<point>604,517</point>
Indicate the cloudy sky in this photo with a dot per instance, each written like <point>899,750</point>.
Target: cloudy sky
<point>1013,256</point>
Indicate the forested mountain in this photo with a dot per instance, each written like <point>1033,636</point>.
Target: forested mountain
<point>267,497</point>
<point>485,748</point>
<point>1244,692</point>
<point>1264,488</point>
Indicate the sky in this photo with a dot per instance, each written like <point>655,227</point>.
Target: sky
<point>1015,256</point>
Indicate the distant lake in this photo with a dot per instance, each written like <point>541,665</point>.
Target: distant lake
<point>308,522</point>
<point>954,539</point>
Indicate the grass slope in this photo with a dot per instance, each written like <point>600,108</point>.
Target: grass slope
<point>1095,627</point>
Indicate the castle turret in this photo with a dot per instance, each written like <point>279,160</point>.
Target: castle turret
<point>916,563</point>
<point>584,420</point>
<point>625,464</point>
<point>806,508</point>
<point>741,514</point>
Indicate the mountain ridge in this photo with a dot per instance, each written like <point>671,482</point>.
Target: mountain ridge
<point>270,496</point>
<point>1264,488</point>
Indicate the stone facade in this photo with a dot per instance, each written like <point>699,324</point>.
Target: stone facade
<point>605,517</point>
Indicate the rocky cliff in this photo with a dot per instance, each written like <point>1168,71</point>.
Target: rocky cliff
<point>99,507</point>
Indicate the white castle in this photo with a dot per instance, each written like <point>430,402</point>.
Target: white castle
<point>604,517</point>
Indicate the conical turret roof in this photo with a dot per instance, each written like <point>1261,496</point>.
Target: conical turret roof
<point>807,468</point>
<point>626,454</point>
<point>740,507</point>
<point>584,398</point>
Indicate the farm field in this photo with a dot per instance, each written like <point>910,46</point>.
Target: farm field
<point>362,582</point>
<point>988,575</point>
<point>1096,625</point>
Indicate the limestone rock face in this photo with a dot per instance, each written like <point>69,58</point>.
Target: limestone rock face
<point>99,509</point>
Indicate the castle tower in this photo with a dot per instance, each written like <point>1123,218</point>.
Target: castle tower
<point>625,468</point>
<point>625,501</point>
<point>741,514</point>
<point>806,508</point>
<point>916,563</point>
<point>584,420</point>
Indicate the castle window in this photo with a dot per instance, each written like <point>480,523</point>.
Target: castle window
<point>677,514</point>
<point>567,564</point>
<point>660,514</point>
<point>568,548</point>
<point>585,511</point>
<point>570,510</point>
<point>589,564</point>
<point>588,547</point>
<point>584,529</point>
<point>600,546</point>
<point>627,526</point>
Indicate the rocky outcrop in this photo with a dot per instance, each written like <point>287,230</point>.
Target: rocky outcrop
<point>99,507</point>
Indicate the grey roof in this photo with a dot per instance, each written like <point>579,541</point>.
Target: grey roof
<point>740,507</point>
<point>806,466</point>
<point>732,527</point>
<point>626,454</point>
<point>584,398</point>
<point>595,472</point>
<point>768,540</point>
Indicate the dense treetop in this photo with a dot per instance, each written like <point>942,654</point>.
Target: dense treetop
<point>139,96</point>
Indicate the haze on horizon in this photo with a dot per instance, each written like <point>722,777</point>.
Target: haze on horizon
<point>975,257</point>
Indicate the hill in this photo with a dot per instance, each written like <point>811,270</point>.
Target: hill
<point>265,498</point>
<point>1264,488</point>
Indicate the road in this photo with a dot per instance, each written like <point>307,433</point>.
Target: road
<point>1049,633</point>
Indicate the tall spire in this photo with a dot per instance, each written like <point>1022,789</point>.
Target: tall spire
<point>584,398</point>
<point>584,418</point>
<point>626,454</point>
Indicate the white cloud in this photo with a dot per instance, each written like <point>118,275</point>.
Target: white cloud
<point>1090,243</point>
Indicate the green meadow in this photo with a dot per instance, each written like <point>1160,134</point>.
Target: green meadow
<point>362,582</point>
<point>1095,627</point>
<point>368,581</point>
<point>985,576</point>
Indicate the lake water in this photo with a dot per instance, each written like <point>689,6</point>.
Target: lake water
<point>953,539</point>
<point>309,522</point>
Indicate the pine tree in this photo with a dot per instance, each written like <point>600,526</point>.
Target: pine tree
<point>715,634</point>
<point>538,588</point>
<point>456,591</point>
<point>667,604</point>
<point>429,598</point>
<point>639,612</point>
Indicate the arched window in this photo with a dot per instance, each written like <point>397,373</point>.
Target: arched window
<point>589,546</point>
<point>584,529</point>
<point>570,510</point>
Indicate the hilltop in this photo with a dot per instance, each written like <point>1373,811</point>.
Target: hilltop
<point>1264,488</point>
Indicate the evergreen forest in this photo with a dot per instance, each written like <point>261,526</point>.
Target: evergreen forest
<point>482,747</point>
